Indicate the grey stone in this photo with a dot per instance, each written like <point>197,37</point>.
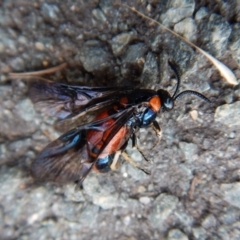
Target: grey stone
<point>176,234</point>
<point>68,210</point>
<point>219,34</point>
<point>183,217</point>
<point>73,194</point>
<point>235,233</point>
<point>187,28</point>
<point>234,44</point>
<point>130,171</point>
<point>201,14</point>
<point>88,216</point>
<point>150,70</point>
<point>17,64</point>
<point>105,197</point>
<point>162,208</point>
<point>171,200</point>
<point>229,216</point>
<point>2,47</point>
<point>228,114</point>
<point>189,150</point>
<point>50,10</point>
<point>145,200</point>
<point>177,12</point>
<point>26,110</point>
<point>223,233</point>
<point>231,193</point>
<point>120,42</point>
<point>99,15</point>
<point>180,3</point>
<point>133,60</point>
<point>12,126</point>
<point>95,57</point>
<point>199,233</point>
<point>134,53</point>
<point>209,222</point>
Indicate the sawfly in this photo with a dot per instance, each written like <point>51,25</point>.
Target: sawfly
<point>98,144</point>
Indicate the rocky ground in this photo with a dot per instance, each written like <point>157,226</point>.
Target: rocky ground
<point>193,191</point>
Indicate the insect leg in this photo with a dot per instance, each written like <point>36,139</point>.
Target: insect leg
<point>134,145</point>
<point>116,163</point>
<point>133,163</point>
<point>155,126</point>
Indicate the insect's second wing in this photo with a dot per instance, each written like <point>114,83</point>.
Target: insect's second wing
<point>65,100</point>
<point>68,158</point>
<point>65,159</point>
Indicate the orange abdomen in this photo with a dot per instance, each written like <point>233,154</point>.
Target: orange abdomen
<point>96,138</point>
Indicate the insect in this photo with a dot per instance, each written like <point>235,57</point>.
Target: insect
<point>98,144</point>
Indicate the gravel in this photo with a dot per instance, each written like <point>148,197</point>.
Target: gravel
<point>192,191</point>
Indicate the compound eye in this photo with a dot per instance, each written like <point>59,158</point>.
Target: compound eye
<point>166,99</point>
<point>168,104</point>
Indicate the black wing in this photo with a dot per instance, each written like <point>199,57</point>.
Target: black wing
<point>67,158</point>
<point>67,101</point>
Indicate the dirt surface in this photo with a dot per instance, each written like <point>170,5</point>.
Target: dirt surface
<point>193,191</point>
